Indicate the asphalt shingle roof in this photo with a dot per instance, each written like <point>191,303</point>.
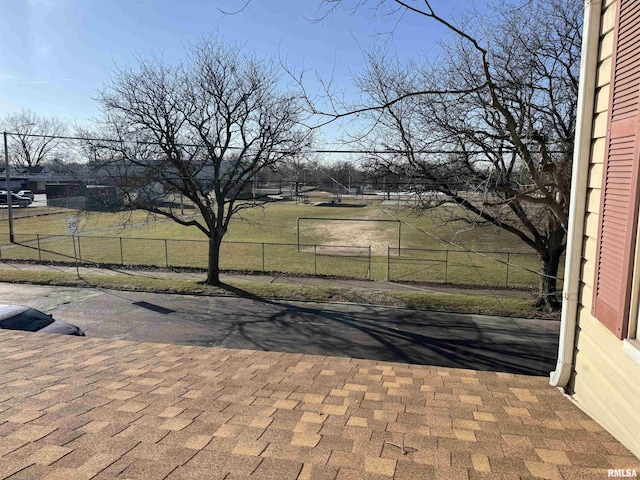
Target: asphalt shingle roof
<point>98,409</point>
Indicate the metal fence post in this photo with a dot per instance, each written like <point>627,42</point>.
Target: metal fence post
<point>75,255</point>
<point>446,266</point>
<point>121,254</point>
<point>39,251</point>
<point>166,253</point>
<point>315,261</point>
<point>369,270</point>
<point>388,263</point>
<point>506,283</point>
<point>262,257</point>
<point>79,250</point>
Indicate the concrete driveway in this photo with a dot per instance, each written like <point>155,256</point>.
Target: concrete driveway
<point>359,331</point>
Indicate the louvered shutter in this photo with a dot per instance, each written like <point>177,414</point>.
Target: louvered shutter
<point>619,204</point>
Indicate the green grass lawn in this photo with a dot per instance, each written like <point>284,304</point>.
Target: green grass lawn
<point>55,223</point>
<point>276,223</point>
<point>264,238</point>
<point>489,305</point>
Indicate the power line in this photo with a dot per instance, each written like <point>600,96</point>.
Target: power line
<point>313,150</point>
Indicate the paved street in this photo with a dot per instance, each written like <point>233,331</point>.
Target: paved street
<point>360,331</point>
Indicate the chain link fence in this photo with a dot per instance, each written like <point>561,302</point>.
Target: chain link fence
<point>74,203</point>
<point>31,211</point>
<point>325,260</point>
<point>458,267</point>
<point>411,265</point>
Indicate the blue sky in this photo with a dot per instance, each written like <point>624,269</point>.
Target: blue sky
<point>56,53</point>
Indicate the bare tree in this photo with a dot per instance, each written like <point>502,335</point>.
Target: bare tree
<point>498,104</point>
<point>36,139</point>
<point>203,129</point>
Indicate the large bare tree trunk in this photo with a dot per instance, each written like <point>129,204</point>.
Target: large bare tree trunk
<point>550,264</point>
<point>213,272</point>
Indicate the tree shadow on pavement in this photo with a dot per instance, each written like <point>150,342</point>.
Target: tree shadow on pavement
<point>385,334</point>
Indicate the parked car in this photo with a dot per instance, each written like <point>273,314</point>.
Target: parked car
<point>26,194</point>
<point>18,317</point>
<point>22,202</point>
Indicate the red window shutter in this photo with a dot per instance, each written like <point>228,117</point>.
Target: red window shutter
<point>619,204</point>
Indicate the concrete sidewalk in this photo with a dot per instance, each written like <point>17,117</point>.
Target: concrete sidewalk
<point>280,279</point>
<point>88,408</point>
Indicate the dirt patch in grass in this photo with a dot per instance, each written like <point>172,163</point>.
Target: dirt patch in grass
<point>378,235</point>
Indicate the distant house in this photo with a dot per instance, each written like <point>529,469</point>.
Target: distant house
<point>35,179</point>
<point>599,353</point>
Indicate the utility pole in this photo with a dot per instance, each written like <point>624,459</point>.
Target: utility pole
<point>8,187</point>
<point>8,182</point>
